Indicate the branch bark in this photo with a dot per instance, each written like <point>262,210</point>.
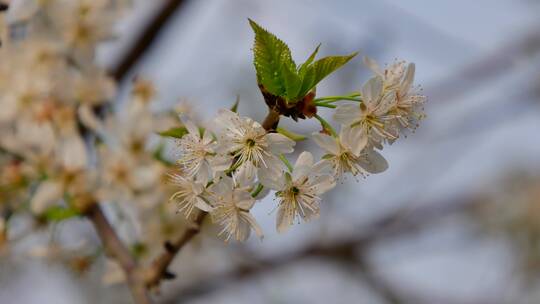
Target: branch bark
<point>145,40</point>
<point>271,121</point>
<point>117,250</point>
<point>159,268</point>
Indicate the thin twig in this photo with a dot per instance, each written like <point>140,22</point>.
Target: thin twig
<point>396,224</point>
<point>159,268</point>
<point>271,121</point>
<point>117,250</point>
<point>145,40</point>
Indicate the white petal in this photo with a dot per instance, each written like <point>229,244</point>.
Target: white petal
<point>408,79</point>
<point>323,183</point>
<point>304,159</point>
<point>285,217</point>
<point>47,194</point>
<point>271,177</point>
<point>324,166</point>
<point>245,174</point>
<point>387,102</point>
<point>72,152</point>
<point>220,163</point>
<point>245,203</point>
<point>372,90</point>
<point>326,142</point>
<point>253,223</point>
<point>190,126</point>
<point>278,143</point>
<point>374,162</point>
<point>201,204</point>
<point>372,65</point>
<point>347,114</point>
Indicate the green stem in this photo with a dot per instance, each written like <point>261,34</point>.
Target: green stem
<point>330,99</point>
<point>286,162</point>
<point>233,167</point>
<point>326,105</point>
<point>258,190</point>
<point>326,126</point>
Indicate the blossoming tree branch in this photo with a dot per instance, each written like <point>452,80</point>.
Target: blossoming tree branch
<point>66,152</point>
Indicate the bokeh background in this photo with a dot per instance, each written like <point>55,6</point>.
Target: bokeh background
<point>455,219</point>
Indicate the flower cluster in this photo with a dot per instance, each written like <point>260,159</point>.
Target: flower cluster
<point>63,146</point>
<point>223,169</point>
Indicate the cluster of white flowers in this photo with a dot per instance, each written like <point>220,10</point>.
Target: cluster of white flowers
<point>57,150</point>
<point>62,144</point>
<point>223,169</point>
<point>389,104</point>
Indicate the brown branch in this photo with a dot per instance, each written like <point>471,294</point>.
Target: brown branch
<point>116,249</point>
<point>159,268</point>
<point>396,224</point>
<point>271,121</point>
<point>145,40</point>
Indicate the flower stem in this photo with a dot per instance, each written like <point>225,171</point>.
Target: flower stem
<point>286,162</point>
<point>271,121</point>
<point>326,105</point>
<point>258,190</point>
<point>326,126</point>
<point>331,99</point>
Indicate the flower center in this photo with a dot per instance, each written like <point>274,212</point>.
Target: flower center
<point>250,143</point>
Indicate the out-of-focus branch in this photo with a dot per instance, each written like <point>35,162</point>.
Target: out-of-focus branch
<point>116,249</point>
<point>159,268</point>
<point>493,65</point>
<point>397,224</point>
<point>146,38</point>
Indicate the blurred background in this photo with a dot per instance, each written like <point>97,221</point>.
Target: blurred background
<point>455,219</point>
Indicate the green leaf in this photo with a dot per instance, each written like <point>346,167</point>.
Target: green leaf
<point>303,67</point>
<point>290,134</point>
<point>293,83</point>
<point>270,54</point>
<point>320,69</point>
<point>234,108</point>
<point>178,132</point>
<point>59,213</point>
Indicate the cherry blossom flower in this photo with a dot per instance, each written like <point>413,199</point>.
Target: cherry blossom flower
<point>231,205</point>
<point>372,115</point>
<point>299,193</point>
<point>254,150</point>
<point>349,153</point>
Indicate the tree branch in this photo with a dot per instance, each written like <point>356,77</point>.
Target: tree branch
<point>271,121</point>
<point>117,250</point>
<point>399,223</point>
<point>143,42</point>
<point>159,268</point>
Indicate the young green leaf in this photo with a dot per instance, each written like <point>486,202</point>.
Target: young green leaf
<point>321,68</point>
<point>303,67</point>
<point>270,55</point>
<point>59,213</point>
<point>178,132</point>
<point>234,108</point>
<point>293,83</point>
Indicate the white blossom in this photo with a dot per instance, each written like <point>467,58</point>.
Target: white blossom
<point>231,205</point>
<point>188,195</point>
<point>254,150</point>
<point>399,77</point>
<point>299,193</point>
<point>198,156</point>
<point>371,116</point>
<point>350,153</point>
